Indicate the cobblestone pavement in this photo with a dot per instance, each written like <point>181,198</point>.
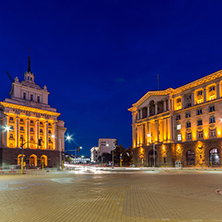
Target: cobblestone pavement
<point>152,196</point>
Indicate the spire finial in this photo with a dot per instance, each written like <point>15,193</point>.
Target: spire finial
<point>29,62</point>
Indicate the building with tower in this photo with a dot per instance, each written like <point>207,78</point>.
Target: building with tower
<point>28,117</point>
<point>179,125</point>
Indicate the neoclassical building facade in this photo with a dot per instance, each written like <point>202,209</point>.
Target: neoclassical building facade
<point>28,117</point>
<point>182,124</point>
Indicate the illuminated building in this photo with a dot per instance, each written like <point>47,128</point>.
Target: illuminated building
<point>184,124</point>
<point>95,154</point>
<point>28,117</point>
<point>106,145</point>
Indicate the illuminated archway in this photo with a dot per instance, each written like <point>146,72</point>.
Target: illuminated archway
<point>19,160</point>
<point>33,160</point>
<point>151,157</point>
<point>44,159</point>
<point>214,157</point>
<point>190,158</point>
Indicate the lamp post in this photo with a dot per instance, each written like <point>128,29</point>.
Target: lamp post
<point>150,136</point>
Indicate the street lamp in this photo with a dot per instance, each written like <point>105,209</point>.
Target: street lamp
<point>150,136</point>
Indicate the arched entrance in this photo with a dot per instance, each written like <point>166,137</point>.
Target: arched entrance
<point>44,160</point>
<point>214,157</point>
<point>33,160</point>
<point>190,158</point>
<point>19,160</point>
<point>151,158</point>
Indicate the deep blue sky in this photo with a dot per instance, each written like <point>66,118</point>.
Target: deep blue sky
<point>99,57</point>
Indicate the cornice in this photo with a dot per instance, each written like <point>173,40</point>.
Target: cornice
<point>178,90</point>
<point>153,93</point>
<point>30,109</point>
<point>199,82</point>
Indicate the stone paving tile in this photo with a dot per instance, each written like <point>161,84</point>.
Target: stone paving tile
<point>122,198</point>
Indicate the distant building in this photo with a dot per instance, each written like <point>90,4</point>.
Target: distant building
<point>95,154</point>
<point>28,117</point>
<point>106,145</point>
<point>80,159</point>
<point>185,124</point>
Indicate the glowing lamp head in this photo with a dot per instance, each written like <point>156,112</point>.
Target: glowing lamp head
<point>68,137</point>
<point>7,128</point>
<point>53,136</point>
<point>148,135</point>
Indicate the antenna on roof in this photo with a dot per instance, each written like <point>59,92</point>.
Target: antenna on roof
<point>29,62</point>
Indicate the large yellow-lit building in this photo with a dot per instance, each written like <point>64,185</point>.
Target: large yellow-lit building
<point>28,117</point>
<point>182,124</point>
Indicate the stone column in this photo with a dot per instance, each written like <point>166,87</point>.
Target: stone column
<point>17,131</point>
<point>138,114</point>
<point>155,108</point>
<point>37,133</point>
<point>5,131</point>
<point>168,129</point>
<point>182,102</point>
<point>160,130</point>
<point>27,133</point>
<point>145,134</point>
<point>148,133</point>
<point>55,134</point>
<point>205,94</point>
<point>192,98</point>
<point>156,132</point>
<point>218,90</point>
<point>164,129</point>
<point>171,128</point>
<point>164,106</point>
<point>46,135</point>
<point>169,104</point>
<point>148,111</point>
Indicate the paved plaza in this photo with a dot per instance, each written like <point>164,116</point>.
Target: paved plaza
<point>159,195</point>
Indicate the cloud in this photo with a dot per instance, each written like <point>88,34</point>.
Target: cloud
<point>120,80</point>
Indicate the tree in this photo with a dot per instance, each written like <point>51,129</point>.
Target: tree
<point>68,159</point>
<point>129,155</point>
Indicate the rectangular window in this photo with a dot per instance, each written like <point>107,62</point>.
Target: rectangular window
<point>31,97</point>
<point>189,136</point>
<point>24,95</point>
<point>11,136</point>
<point>179,137</point>
<point>178,117</point>
<point>212,132</point>
<point>212,119</point>
<point>199,112</point>
<point>200,134</point>
<point>188,115</point>
<point>178,126</point>
<point>199,122</point>
<point>211,109</point>
<point>212,88</point>
<point>38,99</point>
<point>188,124</point>
<point>199,93</point>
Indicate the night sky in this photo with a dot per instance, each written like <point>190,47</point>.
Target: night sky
<point>97,58</point>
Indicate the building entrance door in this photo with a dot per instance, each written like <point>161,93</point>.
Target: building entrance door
<point>190,158</point>
<point>214,157</point>
<point>151,158</point>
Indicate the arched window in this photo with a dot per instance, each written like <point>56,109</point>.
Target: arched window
<point>33,160</point>
<point>214,157</point>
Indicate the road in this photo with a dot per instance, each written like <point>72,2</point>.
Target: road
<point>159,195</point>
